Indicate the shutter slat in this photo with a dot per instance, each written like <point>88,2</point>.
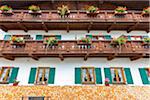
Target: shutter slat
<point>51,76</point>
<point>32,75</point>
<point>144,76</point>
<point>77,75</point>
<point>58,37</point>
<point>98,76</point>
<point>108,74</point>
<point>13,74</point>
<point>39,37</point>
<point>128,76</point>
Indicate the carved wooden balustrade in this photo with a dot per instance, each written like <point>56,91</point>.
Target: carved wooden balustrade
<point>77,19</point>
<point>37,49</point>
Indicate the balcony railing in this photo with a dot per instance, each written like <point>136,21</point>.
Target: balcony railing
<point>37,49</point>
<point>77,19</point>
<point>75,15</point>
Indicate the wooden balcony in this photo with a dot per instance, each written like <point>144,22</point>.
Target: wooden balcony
<point>37,49</point>
<point>77,20</point>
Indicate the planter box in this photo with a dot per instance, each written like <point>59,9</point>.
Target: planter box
<point>7,13</point>
<point>120,14</point>
<point>15,84</point>
<point>145,14</point>
<point>92,14</point>
<point>35,13</point>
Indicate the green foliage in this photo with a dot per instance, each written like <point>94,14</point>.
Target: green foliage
<point>51,41</point>
<point>147,40</point>
<point>86,40</point>
<point>92,9</point>
<point>34,8</point>
<point>120,41</point>
<point>5,8</point>
<point>63,10</point>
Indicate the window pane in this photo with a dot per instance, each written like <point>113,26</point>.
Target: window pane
<point>5,76</point>
<point>84,77</point>
<point>40,75</point>
<point>117,76</point>
<point>46,74</point>
<point>91,76</point>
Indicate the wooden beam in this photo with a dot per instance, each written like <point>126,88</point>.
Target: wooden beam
<point>33,57</point>
<point>22,27</point>
<point>132,27</point>
<point>3,28</point>
<point>61,57</point>
<point>136,57</point>
<point>44,27</point>
<point>111,57</point>
<point>68,27</point>
<point>89,27</point>
<point>110,27</point>
<point>86,57</point>
<point>9,57</point>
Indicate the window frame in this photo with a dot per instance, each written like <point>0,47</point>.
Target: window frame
<point>122,73</point>
<point>6,75</point>
<point>37,75</point>
<point>146,69</point>
<point>93,72</point>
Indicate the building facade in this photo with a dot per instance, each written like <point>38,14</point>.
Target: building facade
<point>78,47</point>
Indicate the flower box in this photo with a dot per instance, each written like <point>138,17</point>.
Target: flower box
<point>120,11</point>
<point>5,10</point>
<point>35,13</point>
<point>92,14</point>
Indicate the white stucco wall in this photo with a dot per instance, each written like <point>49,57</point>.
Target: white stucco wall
<point>65,69</point>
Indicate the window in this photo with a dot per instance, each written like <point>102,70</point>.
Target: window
<point>88,75</point>
<point>5,74</point>
<point>118,75</point>
<point>42,75</point>
<point>35,98</point>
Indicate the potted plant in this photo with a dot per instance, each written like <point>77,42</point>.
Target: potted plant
<point>15,39</point>
<point>63,11</point>
<point>146,42</point>
<point>50,41</point>
<point>121,11</point>
<point>92,11</point>
<point>15,83</point>
<point>146,12</point>
<point>106,81</point>
<point>34,10</point>
<point>85,40</point>
<point>118,42</point>
<point>6,10</point>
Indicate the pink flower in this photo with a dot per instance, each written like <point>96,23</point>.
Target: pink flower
<point>106,79</point>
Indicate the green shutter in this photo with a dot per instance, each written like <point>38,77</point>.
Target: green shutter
<point>107,37</point>
<point>58,37</point>
<point>39,37</point>
<point>128,75</point>
<point>7,37</point>
<point>51,76</point>
<point>32,75</point>
<point>77,75</point>
<point>13,75</point>
<point>98,75</point>
<point>129,38</point>
<point>89,36</point>
<point>108,74</point>
<point>143,76</point>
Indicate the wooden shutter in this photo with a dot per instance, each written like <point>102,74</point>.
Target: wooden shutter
<point>144,76</point>
<point>98,75</point>
<point>13,75</point>
<point>32,75</point>
<point>51,76</point>
<point>108,74</point>
<point>39,37</point>
<point>128,75</point>
<point>77,75</point>
<point>107,37</point>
